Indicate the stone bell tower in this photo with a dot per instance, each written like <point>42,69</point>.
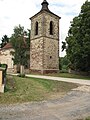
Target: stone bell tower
<point>44,43</point>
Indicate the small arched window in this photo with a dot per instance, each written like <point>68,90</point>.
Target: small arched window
<point>51,27</point>
<point>36,28</point>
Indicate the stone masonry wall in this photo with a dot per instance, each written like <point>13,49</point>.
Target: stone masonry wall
<point>36,54</point>
<point>44,48</point>
<point>55,20</point>
<point>44,26</point>
<point>33,21</point>
<point>51,59</point>
<point>51,43</point>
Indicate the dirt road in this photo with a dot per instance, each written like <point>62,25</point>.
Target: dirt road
<point>73,106</point>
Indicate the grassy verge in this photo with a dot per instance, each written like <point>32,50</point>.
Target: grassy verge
<point>88,118</point>
<point>69,75</point>
<point>20,90</point>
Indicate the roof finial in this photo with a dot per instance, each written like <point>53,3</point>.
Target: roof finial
<point>45,5</point>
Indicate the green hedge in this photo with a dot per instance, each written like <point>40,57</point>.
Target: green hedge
<point>4,66</point>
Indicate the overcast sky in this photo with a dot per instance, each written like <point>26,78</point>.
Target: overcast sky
<point>15,12</point>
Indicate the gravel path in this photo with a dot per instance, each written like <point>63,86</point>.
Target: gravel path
<point>73,106</point>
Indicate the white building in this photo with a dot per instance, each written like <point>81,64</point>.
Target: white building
<point>6,57</point>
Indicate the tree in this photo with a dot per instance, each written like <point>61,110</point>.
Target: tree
<point>78,40</point>
<point>64,62</point>
<point>21,43</point>
<point>4,41</point>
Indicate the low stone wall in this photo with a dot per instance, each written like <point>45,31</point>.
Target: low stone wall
<point>27,71</point>
<point>79,72</point>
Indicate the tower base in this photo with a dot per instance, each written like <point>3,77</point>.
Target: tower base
<point>44,71</point>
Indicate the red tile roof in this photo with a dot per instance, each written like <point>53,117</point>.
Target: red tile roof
<point>7,46</point>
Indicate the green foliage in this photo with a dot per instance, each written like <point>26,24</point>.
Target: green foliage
<point>64,62</point>
<point>4,66</point>
<point>63,46</point>
<point>20,41</point>
<point>64,71</point>
<point>4,41</point>
<point>78,40</point>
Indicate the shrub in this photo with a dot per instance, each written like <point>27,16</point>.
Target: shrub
<point>63,71</point>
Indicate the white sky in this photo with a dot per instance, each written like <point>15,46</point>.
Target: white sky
<point>15,12</point>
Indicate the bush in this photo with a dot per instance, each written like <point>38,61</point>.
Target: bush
<point>63,71</point>
<point>4,66</point>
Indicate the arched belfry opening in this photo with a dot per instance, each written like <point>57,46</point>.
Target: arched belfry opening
<point>51,27</point>
<point>36,28</point>
<point>44,41</point>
